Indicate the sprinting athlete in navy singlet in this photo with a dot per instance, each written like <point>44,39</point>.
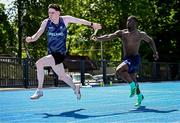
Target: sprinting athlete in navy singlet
<point>57,40</point>
<point>55,25</point>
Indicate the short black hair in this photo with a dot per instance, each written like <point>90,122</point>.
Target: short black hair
<point>55,6</point>
<point>133,17</point>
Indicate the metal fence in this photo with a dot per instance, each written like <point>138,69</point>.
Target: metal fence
<point>15,72</point>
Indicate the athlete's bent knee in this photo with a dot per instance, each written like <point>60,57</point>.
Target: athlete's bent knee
<point>39,65</point>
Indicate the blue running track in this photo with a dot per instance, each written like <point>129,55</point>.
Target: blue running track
<point>98,105</point>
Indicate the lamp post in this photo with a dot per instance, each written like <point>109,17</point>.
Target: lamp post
<point>101,51</point>
<point>103,65</point>
<point>20,9</point>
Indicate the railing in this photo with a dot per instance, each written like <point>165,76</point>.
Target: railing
<point>15,72</point>
<point>21,73</point>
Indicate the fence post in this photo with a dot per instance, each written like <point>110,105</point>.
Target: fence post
<point>82,68</point>
<point>154,71</point>
<point>25,73</point>
<point>104,72</point>
<point>55,77</point>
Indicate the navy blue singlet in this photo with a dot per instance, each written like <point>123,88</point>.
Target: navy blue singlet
<point>56,37</point>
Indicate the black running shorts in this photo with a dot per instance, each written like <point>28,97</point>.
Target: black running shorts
<point>58,57</point>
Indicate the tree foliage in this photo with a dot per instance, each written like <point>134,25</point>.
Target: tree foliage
<point>7,35</point>
<point>160,19</point>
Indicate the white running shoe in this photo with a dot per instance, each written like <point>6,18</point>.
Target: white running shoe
<point>37,94</point>
<point>77,92</point>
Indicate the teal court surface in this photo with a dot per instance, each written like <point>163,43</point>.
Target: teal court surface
<point>97,105</point>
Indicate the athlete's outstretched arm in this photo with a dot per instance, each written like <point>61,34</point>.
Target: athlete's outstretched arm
<point>69,19</point>
<point>151,42</point>
<point>107,37</point>
<point>38,33</point>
